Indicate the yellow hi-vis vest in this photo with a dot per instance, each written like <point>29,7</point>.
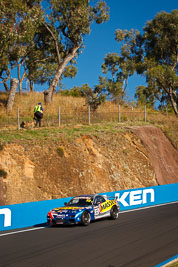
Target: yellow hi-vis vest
<point>38,108</point>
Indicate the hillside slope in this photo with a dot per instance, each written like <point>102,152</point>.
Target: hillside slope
<point>163,156</point>
<point>130,158</point>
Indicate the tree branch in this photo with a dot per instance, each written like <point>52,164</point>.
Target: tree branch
<point>41,60</point>
<point>56,42</point>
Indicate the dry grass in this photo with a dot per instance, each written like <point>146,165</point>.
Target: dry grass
<point>27,102</point>
<point>68,104</point>
<point>74,111</point>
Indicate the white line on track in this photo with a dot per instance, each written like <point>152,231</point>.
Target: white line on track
<point>21,231</point>
<point>39,228</point>
<point>144,208</point>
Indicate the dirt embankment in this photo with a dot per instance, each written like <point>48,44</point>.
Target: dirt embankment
<point>163,156</point>
<point>133,158</point>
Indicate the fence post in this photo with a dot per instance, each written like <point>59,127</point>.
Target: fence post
<point>89,115</point>
<point>18,120</point>
<point>59,117</point>
<point>145,113</point>
<point>119,114</point>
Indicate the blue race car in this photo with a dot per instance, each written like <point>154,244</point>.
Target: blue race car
<point>83,209</point>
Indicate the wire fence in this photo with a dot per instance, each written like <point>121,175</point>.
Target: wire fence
<point>83,118</point>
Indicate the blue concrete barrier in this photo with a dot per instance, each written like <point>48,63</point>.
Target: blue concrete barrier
<point>34,213</point>
<point>144,197</point>
<point>27,214</point>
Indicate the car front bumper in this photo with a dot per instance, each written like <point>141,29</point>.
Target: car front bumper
<point>57,221</point>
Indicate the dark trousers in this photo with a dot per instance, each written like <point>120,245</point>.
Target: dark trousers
<point>38,116</point>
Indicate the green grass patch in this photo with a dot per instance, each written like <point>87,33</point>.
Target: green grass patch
<point>60,151</point>
<point>72,132</point>
<point>3,173</point>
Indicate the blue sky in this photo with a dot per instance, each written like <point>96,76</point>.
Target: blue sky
<point>124,14</point>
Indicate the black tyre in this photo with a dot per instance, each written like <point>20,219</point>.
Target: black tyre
<point>49,223</point>
<point>85,219</point>
<point>114,213</point>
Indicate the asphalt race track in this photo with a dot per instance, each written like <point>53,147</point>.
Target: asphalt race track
<point>139,238</point>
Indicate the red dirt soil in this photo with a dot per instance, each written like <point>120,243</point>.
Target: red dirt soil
<point>163,156</point>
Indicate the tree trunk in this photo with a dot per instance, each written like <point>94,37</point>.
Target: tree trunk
<point>20,87</point>
<point>20,79</point>
<point>6,79</point>
<point>13,88</point>
<point>20,82</point>
<point>31,86</point>
<point>49,94</point>
<point>6,86</point>
<point>173,102</point>
<point>174,106</point>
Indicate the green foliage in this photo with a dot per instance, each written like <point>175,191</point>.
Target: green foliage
<point>118,67</point>
<point>159,52</point>
<point>144,96</point>
<point>111,88</point>
<point>61,36</point>
<point>76,92</point>
<point>93,98</point>
<point>154,54</point>
<point>18,23</point>
<point>160,38</point>
<point>3,173</point>
<point>43,43</point>
<point>60,151</point>
<point>70,71</point>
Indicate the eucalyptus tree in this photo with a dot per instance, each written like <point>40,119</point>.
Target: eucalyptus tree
<point>160,42</point>
<point>7,38</point>
<point>115,86</point>
<point>144,96</point>
<point>156,56</point>
<point>41,42</point>
<point>150,94</point>
<point>118,67</point>
<point>93,98</point>
<point>65,25</point>
<point>18,22</point>
<point>24,48</point>
<point>153,54</point>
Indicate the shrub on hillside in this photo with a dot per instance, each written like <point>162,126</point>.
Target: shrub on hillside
<point>75,92</point>
<point>3,173</point>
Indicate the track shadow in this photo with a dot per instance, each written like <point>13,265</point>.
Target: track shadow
<point>46,225</point>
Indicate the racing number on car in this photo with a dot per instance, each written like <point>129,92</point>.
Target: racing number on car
<point>96,211</point>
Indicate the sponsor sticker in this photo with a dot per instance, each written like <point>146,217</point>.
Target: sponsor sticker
<point>136,197</point>
<point>107,205</point>
<point>60,216</point>
<point>7,216</point>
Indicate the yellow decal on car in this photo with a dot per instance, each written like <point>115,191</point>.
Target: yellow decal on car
<point>89,200</point>
<point>107,205</point>
<point>69,208</point>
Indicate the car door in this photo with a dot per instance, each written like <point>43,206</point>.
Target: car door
<point>98,200</point>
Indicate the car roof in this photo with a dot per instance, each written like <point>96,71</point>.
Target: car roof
<point>89,195</point>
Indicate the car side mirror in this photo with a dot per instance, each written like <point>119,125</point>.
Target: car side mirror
<point>65,203</point>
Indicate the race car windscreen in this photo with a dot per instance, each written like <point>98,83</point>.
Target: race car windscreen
<point>80,201</point>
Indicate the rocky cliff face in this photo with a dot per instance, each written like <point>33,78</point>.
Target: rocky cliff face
<point>88,164</point>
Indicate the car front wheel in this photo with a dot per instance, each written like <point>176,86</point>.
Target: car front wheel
<point>85,219</point>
